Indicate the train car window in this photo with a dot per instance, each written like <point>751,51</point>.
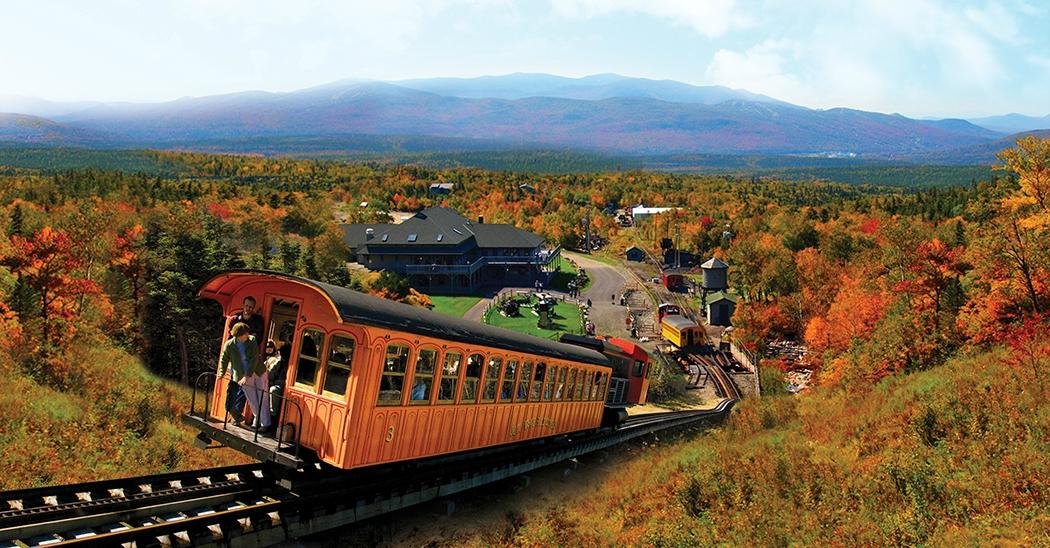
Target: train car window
<point>562,390</point>
<point>488,394</point>
<point>506,393</point>
<point>588,379</point>
<point>579,385</point>
<point>470,380</point>
<point>449,377</point>
<point>522,392</point>
<point>639,366</point>
<point>309,358</point>
<point>574,377</point>
<point>552,380</point>
<point>596,390</point>
<point>423,378</point>
<point>337,368</point>
<point>392,382</point>
<point>537,383</point>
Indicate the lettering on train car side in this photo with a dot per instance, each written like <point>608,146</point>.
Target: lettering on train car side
<point>390,434</point>
<point>533,423</point>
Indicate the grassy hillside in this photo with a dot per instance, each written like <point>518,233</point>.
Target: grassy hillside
<point>96,413</point>
<point>951,456</point>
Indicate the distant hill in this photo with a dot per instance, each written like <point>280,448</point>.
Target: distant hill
<point>608,114</point>
<point>1013,123</point>
<point>589,88</point>
<point>983,153</point>
<point>34,130</point>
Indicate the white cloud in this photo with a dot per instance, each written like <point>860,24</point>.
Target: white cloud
<point>711,18</point>
<point>763,68</point>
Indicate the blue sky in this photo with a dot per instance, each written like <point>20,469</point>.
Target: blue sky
<point>916,57</point>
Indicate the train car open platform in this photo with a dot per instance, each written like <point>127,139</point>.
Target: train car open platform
<point>246,441</point>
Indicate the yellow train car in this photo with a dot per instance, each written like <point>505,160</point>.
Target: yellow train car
<point>681,331</point>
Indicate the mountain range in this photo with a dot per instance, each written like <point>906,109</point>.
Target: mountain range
<point>604,113</point>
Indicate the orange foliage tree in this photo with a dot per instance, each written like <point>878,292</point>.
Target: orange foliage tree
<point>47,262</point>
<point>852,315</point>
<point>934,268</point>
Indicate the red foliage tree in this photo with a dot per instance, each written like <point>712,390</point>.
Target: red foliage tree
<point>47,262</point>
<point>935,266</point>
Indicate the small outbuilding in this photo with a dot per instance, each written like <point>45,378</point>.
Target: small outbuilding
<point>720,308</point>
<point>440,189</point>
<point>635,253</point>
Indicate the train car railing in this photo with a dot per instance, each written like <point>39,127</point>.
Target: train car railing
<point>208,387</point>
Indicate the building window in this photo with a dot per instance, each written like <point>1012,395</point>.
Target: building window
<point>412,237</point>
<point>392,383</point>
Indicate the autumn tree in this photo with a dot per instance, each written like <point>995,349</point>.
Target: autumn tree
<point>48,263</point>
<point>934,269</point>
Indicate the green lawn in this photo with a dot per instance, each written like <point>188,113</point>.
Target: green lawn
<point>454,305</point>
<point>566,320</point>
<point>566,273</point>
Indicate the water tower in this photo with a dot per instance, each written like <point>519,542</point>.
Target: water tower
<point>715,276</point>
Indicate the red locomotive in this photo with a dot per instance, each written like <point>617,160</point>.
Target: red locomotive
<point>372,381</point>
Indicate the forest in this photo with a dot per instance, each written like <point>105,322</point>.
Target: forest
<point>103,331</point>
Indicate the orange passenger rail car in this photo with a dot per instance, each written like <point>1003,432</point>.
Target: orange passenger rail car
<point>372,381</point>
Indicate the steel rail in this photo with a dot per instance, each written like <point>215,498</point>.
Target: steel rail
<point>265,513</point>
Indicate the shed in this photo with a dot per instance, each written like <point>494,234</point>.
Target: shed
<point>635,253</point>
<point>715,275</point>
<point>442,188</point>
<point>720,308</point>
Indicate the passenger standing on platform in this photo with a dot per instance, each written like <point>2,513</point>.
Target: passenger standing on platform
<point>276,376</point>
<point>240,355</point>
<point>248,316</point>
<point>274,365</point>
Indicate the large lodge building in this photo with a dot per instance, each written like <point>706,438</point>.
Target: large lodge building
<point>440,251</point>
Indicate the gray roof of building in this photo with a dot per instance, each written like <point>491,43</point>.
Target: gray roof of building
<point>438,226</point>
<point>714,263</point>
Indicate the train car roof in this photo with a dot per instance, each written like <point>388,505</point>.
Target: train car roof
<point>678,322</point>
<point>628,347</point>
<point>358,308</point>
<point>594,343</point>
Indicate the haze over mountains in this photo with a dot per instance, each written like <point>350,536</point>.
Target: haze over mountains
<point>605,113</point>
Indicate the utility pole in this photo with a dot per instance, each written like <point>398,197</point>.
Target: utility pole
<point>677,252</point>
<point>587,229</point>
